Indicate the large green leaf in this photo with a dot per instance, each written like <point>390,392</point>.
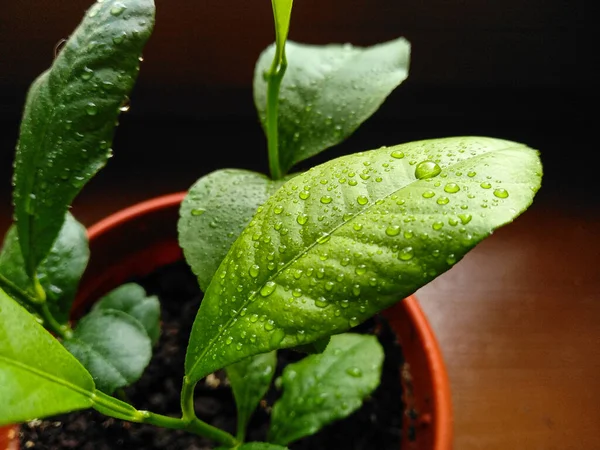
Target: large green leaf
<point>327,92</point>
<point>113,346</point>
<point>131,298</point>
<point>70,116</point>
<point>250,380</point>
<point>59,273</point>
<point>38,377</point>
<point>323,388</point>
<point>353,236</point>
<point>214,213</point>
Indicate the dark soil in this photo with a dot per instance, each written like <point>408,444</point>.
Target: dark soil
<point>377,425</point>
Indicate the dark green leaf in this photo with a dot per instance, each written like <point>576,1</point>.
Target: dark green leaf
<point>38,377</point>
<point>327,92</point>
<point>131,299</point>
<point>214,213</point>
<point>70,116</point>
<point>357,234</point>
<point>323,388</point>
<point>113,346</point>
<point>255,446</point>
<point>59,273</point>
<point>250,380</point>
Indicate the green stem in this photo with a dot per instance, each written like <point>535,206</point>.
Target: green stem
<point>16,291</point>
<point>274,78</point>
<point>116,408</point>
<point>64,331</point>
<point>187,400</point>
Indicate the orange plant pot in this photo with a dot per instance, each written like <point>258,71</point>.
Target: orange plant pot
<point>142,238</point>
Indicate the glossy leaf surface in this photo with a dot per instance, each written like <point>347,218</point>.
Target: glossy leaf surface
<point>113,346</point>
<point>59,273</point>
<point>38,377</point>
<point>323,388</point>
<point>353,236</point>
<point>213,214</point>
<point>327,92</point>
<point>131,299</point>
<point>250,379</point>
<point>70,115</point>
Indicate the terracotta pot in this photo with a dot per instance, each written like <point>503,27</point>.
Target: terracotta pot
<point>140,239</point>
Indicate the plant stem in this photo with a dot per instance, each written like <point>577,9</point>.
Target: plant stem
<point>64,331</point>
<point>187,400</point>
<point>16,291</point>
<point>274,78</point>
<point>116,408</point>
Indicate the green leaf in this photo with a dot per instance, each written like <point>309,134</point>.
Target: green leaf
<point>131,299</point>
<point>70,115</point>
<point>255,446</point>
<point>323,388</point>
<point>38,377</point>
<point>214,213</point>
<point>317,346</point>
<point>327,92</point>
<point>357,234</point>
<point>113,346</point>
<point>250,380</point>
<point>59,273</point>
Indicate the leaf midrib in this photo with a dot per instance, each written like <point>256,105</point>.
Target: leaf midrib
<point>49,377</point>
<point>311,246</point>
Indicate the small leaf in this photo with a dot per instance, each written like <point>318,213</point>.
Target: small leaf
<point>131,299</point>
<point>38,377</point>
<point>323,388</point>
<point>250,380</point>
<point>327,92</point>
<point>113,346</point>
<point>214,213</point>
<point>255,446</point>
<point>70,115</point>
<point>59,273</point>
<point>357,234</point>
<point>282,11</point>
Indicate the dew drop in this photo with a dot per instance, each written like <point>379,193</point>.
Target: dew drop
<point>437,225</point>
<point>427,169</point>
<point>471,174</point>
<point>443,200</point>
<point>406,253</point>
<point>485,185</point>
<point>428,194</point>
<point>276,338</point>
<point>357,226</point>
<point>362,200</point>
<point>451,259</point>
<point>198,212</point>
<point>304,194</point>
<point>451,188</point>
<point>229,340</point>
<point>118,9</point>
<point>397,154</point>
<point>254,318</point>
<point>501,193</point>
<point>302,218</point>
<point>354,372</point>
<point>393,230</point>
<point>126,105</point>
<point>278,209</point>
<point>253,271</point>
<point>361,269</point>
<point>353,321</point>
<point>91,109</point>
<point>321,302</point>
<point>268,288</point>
<point>269,325</point>
<point>352,182</point>
<point>87,73</point>
<point>326,199</point>
<point>465,218</point>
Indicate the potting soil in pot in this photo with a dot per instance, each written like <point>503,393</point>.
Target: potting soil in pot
<point>377,425</point>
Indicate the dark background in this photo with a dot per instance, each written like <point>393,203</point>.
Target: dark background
<point>515,69</point>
